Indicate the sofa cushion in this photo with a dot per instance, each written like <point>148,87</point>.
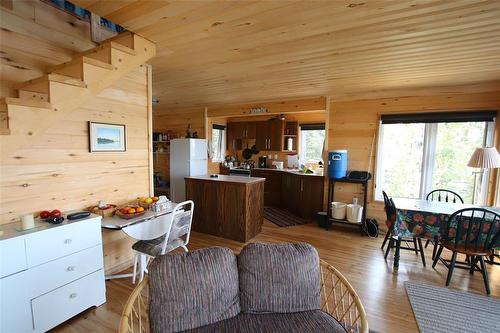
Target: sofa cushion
<point>193,289</point>
<point>314,321</point>
<point>279,278</point>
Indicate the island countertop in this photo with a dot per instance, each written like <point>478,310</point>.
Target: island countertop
<point>229,179</point>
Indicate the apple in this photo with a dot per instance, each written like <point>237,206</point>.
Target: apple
<point>155,199</point>
<point>44,214</point>
<point>55,213</point>
<point>124,210</point>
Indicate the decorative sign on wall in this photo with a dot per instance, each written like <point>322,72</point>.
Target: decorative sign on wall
<point>258,110</point>
<point>106,137</point>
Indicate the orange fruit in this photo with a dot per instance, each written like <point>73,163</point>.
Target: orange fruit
<point>155,199</point>
<point>139,209</point>
<point>131,210</point>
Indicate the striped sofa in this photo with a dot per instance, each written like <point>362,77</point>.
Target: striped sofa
<point>267,288</point>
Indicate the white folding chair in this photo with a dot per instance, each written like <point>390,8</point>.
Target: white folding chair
<point>177,228</point>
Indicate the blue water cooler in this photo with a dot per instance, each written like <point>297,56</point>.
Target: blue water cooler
<point>337,164</point>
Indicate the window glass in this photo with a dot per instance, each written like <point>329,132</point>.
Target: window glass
<point>416,158</point>
<point>218,146</point>
<point>454,146</point>
<point>402,148</point>
<point>311,145</point>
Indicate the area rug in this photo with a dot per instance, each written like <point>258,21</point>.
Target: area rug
<point>439,309</point>
<point>282,217</point>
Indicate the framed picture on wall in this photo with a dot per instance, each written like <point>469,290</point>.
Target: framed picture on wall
<point>107,137</point>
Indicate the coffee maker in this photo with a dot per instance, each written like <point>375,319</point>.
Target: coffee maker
<point>263,162</point>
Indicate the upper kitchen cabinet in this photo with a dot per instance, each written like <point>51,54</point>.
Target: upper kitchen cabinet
<point>250,130</point>
<point>239,131</point>
<point>269,135</point>
<point>233,136</point>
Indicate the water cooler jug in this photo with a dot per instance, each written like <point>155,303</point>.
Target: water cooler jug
<point>337,164</point>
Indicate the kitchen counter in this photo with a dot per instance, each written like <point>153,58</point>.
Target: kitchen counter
<point>293,171</point>
<point>231,207</point>
<point>229,179</point>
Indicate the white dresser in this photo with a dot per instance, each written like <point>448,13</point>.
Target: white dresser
<point>49,274</point>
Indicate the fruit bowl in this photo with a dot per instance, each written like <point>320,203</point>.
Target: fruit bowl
<point>147,202</point>
<point>122,212</point>
<point>105,211</point>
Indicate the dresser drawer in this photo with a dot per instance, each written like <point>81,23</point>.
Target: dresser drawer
<point>58,242</point>
<point>59,305</point>
<point>51,275</point>
<point>12,256</point>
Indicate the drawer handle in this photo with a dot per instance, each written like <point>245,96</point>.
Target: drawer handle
<point>67,241</point>
<point>70,268</point>
<point>73,295</point>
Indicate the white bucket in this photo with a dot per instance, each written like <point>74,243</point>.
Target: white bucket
<point>354,213</point>
<point>338,210</point>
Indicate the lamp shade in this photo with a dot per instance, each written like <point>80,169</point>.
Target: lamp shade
<point>485,158</point>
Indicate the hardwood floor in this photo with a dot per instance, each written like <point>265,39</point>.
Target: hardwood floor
<point>360,259</point>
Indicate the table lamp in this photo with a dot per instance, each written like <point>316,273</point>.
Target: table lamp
<point>483,158</point>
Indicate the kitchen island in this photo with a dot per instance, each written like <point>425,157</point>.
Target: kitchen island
<point>227,206</point>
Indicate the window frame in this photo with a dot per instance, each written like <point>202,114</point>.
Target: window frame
<point>222,145</point>
<point>428,154</point>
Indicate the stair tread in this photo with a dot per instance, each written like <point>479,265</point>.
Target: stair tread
<point>51,77</point>
<point>25,102</point>
<point>122,48</point>
<point>84,59</point>
<point>97,63</point>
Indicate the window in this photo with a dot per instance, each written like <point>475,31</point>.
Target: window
<point>218,142</point>
<point>312,140</point>
<point>421,152</point>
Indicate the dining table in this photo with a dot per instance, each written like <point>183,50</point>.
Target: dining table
<point>149,225</point>
<point>424,219</point>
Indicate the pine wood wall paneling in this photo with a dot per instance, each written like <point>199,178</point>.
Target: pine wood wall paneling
<point>58,171</point>
<point>354,124</point>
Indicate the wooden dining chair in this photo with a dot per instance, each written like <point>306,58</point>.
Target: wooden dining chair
<point>391,216</point>
<point>473,232</point>
<point>391,212</point>
<point>442,195</point>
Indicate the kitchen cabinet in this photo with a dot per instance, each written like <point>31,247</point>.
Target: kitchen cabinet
<point>233,136</point>
<point>302,194</point>
<point>269,135</point>
<point>239,131</point>
<point>272,185</point>
<point>311,196</point>
<point>250,130</point>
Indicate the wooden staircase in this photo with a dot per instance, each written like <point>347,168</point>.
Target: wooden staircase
<point>42,101</point>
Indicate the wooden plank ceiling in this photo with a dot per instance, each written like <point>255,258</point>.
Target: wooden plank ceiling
<point>237,51</point>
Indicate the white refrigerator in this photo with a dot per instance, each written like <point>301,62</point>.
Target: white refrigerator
<point>188,157</point>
